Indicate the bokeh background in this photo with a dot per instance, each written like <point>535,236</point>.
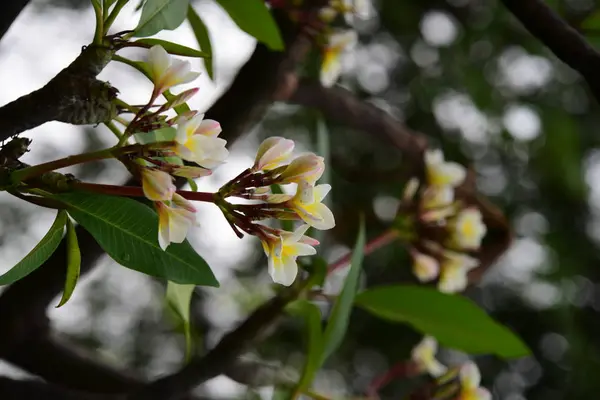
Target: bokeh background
<point>463,72</point>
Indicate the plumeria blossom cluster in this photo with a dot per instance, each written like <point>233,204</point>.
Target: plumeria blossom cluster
<point>423,357</point>
<point>274,166</point>
<point>442,230</point>
<point>196,141</point>
<point>339,41</point>
<point>334,41</point>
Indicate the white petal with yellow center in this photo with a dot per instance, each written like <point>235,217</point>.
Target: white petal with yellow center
<point>423,355</point>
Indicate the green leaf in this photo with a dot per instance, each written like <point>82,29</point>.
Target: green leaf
<point>73,264</point>
<point>174,48</point>
<point>453,320</point>
<point>179,298</point>
<point>592,21</point>
<point>128,231</point>
<point>282,393</point>
<point>340,314</point>
<point>254,18</point>
<point>159,135</point>
<point>158,15</point>
<point>203,38</point>
<point>40,253</point>
<point>312,318</point>
<point>193,184</point>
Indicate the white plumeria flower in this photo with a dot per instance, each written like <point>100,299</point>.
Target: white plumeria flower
<point>468,229</point>
<point>307,203</point>
<point>157,185</point>
<point>454,270</point>
<point>437,203</point>
<point>470,378</point>
<point>356,8</point>
<point>174,220</point>
<point>307,167</point>
<point>283,251</point>
<point>167,72</point>
<point>425,267</point>
<point>198,141</point>
<point>423,356</point>
<point>443,173</point>
<point>331,68</point>
<point>272,153</point>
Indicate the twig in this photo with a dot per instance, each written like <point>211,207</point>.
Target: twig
<point>563,40</point>
<point>343,106</point>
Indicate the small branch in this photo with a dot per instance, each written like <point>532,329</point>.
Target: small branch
<point>380,241</point>
<point>563,40</point>
<point>218,360</point>
<point>343,106</point>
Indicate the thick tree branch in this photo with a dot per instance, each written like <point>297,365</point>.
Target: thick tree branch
<point>64,363</point>
<point>28,389</point>
<point>222,357</point>
<point>563,40</point>
<point>10,12</point>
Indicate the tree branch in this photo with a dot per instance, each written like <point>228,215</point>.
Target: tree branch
<point>11,389</point>
<point>563,40</point>
<point>10,12</point>
<point>342,106</point>
<point>223,356</point>
<point>64,363</point>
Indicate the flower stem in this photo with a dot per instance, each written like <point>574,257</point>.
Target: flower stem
<point>136,191</point>
<point>36,170</point>
<point>99,22</point>
<point>113,128</point>
<point>380,241</point>
<point>113,14</point>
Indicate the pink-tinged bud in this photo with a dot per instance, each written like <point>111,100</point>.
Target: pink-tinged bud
<point>273,152</point>
<point>191,172</point>
<point>180,99</point>
<point>425,267</point>
<point>307,167</point>
<point>167,72</point>
<point>157,185</point>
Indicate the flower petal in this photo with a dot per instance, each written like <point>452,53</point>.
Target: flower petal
<point>287,272</point>
<point>209,127</point>
<point>470,377</point>
<point>321,191</point>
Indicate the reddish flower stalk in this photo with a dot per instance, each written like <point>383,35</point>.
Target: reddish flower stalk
<point>380,241</point>
<point>136,191</point>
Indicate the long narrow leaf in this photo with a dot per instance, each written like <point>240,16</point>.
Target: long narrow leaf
<point>173,48</point>
<point>179,298</point>
<point>40,253</point>
<point>73,264</point>
<point>312,318</point>
<point>203,38</point>
<point>340,315</point>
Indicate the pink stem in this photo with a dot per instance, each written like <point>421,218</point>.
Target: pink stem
<point>380,241</point>
<point>403,368</point>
